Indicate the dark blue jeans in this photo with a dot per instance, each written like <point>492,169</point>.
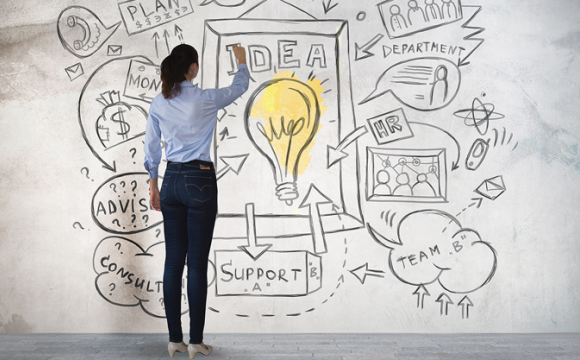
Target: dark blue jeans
<point>189,205</point>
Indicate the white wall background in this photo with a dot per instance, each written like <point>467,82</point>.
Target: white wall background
<point>528,69</point>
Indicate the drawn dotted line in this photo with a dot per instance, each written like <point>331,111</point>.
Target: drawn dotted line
<point>340,281</point>
<point>459,214</point>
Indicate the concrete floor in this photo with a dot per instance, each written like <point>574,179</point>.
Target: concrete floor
<point>297,346</point>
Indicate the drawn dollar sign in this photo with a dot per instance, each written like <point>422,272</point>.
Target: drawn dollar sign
<point>119,118</point>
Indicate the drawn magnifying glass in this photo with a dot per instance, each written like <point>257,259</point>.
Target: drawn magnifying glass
<point>73,21</point>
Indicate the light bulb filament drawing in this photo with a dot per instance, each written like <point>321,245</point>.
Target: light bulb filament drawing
<point>281,119</point>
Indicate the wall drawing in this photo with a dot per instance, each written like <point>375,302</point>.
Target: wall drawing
<point>309,160</point>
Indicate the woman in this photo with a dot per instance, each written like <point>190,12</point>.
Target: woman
<point>186,116</point>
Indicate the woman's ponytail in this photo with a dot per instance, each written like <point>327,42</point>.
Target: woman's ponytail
<point>174,67</point>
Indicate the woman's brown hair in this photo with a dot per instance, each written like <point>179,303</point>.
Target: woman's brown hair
<point>174,67</point>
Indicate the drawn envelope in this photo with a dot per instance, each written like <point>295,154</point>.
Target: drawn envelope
<point>74,71</point>
<point>491,188</point>
<point>114,50</point>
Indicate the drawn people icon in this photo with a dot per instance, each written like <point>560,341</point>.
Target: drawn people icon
<point>397,20</point>
<point>432,10</point>
<point>383,187</point>
<point>403,189</point>
<point>448,10</point>
<point>415,14</point>
<point>422,187</point>
<point>440,86</point>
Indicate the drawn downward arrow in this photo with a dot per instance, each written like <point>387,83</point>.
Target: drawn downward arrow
<point>363,52</point>
<point>233,163</point>
<point>312,199</point>
<point>253,249</point>
<point>454,165</point>
<point>445,301</point>
<point>336,154</point>
<point>421,291</point>
<point>327,7</point>
<point>465,303</point>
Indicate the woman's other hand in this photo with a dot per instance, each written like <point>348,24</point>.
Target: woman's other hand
<point>154,194</point>
<point>240,53</point>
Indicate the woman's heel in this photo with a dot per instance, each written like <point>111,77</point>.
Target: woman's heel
<point>197,348</point>
<point>173,347</point>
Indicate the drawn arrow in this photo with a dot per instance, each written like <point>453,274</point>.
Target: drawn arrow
<point>363,52</point>
<point>336,154</point>
<point>179,33</point>
<point>465,303</point>
<point>312,199</point>
<point>166,35</point>
<point>253,249</point>
<point>233,163</point>
<point>470,37</point>
<point>386,51</point>
<point>445,301</point>
<point>421,291</point>
<point>156,37</point>
<point>145,97</point>
<point>363,271</point>
<point>478,201</point>
<point>455,164</point>
<point>327,6</point>
<point>224,133</point>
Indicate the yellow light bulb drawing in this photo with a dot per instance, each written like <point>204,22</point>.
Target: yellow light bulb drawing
<point>282,118</point>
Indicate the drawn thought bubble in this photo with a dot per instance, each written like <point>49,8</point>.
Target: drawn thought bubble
<point>129,275</point>
<point>433,246</point>
<point>423,84</point>
<point>121,205</point>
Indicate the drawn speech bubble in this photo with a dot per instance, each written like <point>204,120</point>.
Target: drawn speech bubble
<point>121,205</point>
<point>433,246</point>
<point>423,84</point>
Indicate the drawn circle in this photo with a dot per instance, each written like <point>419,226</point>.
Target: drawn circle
<point>71,21</point>
<point>416,162</point>
<point>433,169</point>
<point>479,115</point>
<point>361,16</point>
<point>402,161</point>
<point>387,163</point>
<point>383,177</point>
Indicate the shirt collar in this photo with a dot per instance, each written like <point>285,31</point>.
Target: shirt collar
<point>186,83</point>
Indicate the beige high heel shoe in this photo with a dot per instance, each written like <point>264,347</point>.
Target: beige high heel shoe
<point>173,347</point>
<point>197,348</point>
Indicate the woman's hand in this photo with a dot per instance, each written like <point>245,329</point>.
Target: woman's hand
<point>154,194</point>
<point>240,53</point>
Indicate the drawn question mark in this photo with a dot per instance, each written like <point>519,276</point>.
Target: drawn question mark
<point>158,232</point>
<point>86,168</point>
<point>112,288</point>
<point>162,302</point>
<point>133,151</point>
<point>79,224</point>
<point>134,183</point>
<point>114,187</point>
<point>117,221</point>
<point>133,217</point>
<point>119,248</point>
<point>123,183</point>
<point>146,218</point>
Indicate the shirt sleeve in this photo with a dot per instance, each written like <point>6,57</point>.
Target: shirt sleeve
<point>240,84</point>
<point>152,146</point>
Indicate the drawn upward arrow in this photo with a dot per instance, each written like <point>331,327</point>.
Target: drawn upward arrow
<point>224,133</point>
<point>363,52</point>
<point>363,271</point>
<point>445,301</point>
<point>421,291</point>
<point>166,35</point>
<point>253,249</point>
<point>156,37</point>
<point>465,303</point>
<point>336,154</point>
<point>179,33</point>
<point>454,165</point>
<point>327,6</point>
<point>233,163</point>
<point>312,199</point>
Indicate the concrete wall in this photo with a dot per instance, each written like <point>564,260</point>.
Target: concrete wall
<point>437,192</point>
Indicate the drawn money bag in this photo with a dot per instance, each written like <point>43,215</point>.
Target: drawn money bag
<point>119,122</point>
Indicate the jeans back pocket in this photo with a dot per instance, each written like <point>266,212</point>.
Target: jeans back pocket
<point>198,188</point>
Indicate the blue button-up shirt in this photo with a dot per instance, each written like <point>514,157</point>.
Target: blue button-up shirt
<point>187,121</point>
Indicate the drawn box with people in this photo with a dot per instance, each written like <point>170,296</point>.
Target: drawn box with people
<point>406,17</point>
<point>406,175</point>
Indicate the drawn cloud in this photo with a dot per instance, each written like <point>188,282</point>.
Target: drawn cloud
<point>433,246</point>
